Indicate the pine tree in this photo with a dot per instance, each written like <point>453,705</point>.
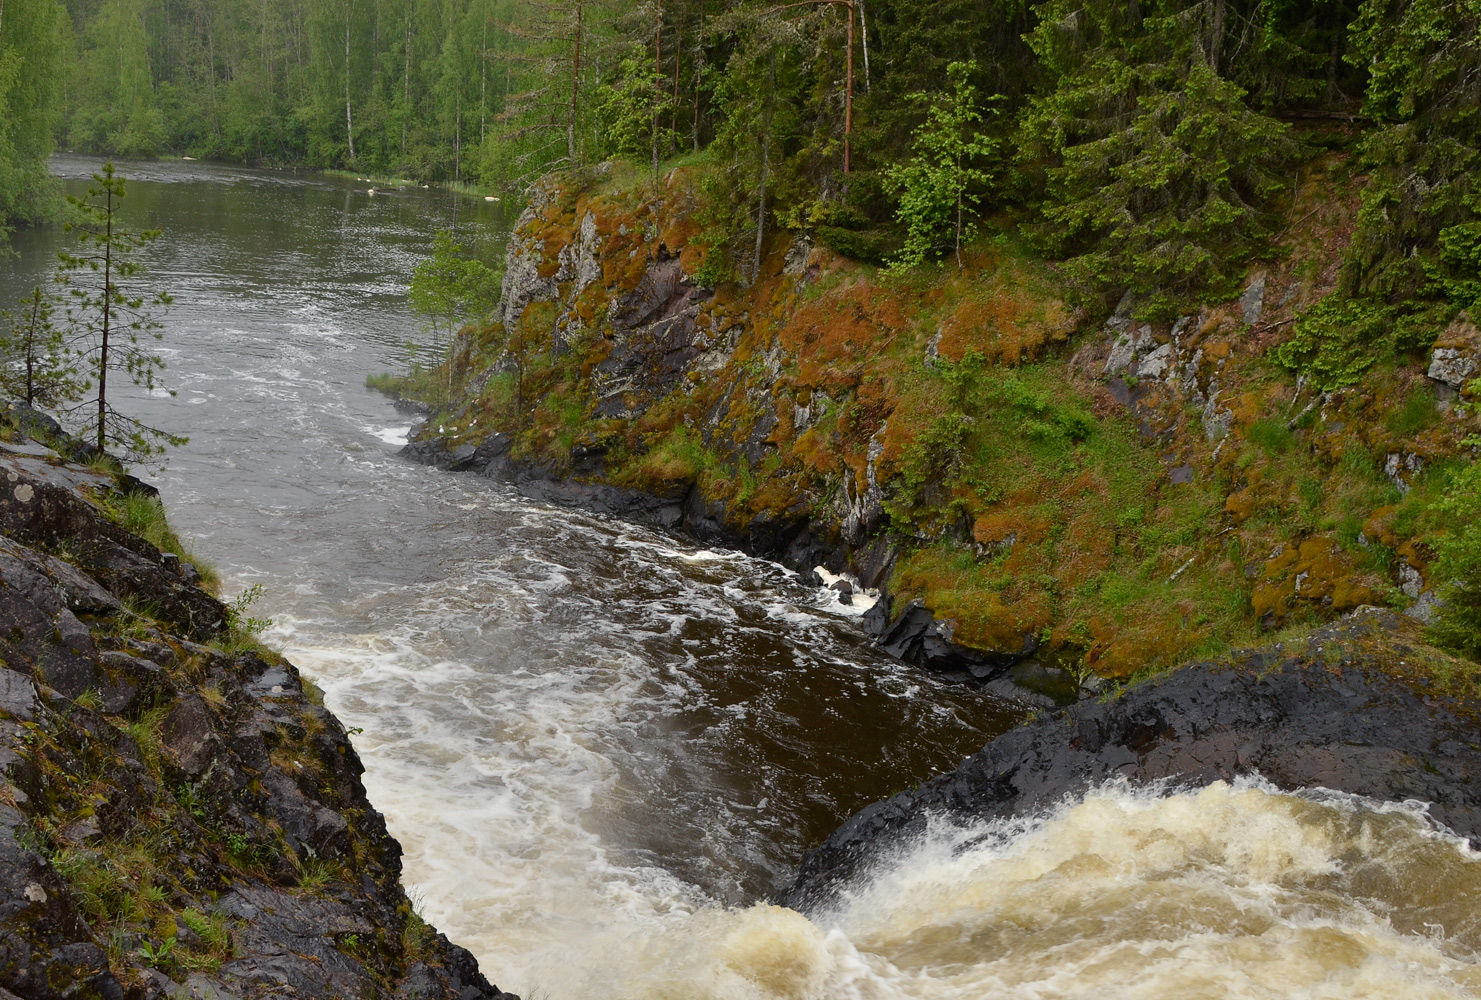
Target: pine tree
<point>109,317</point>
<point>35,363</point>
<point>1420,226</point>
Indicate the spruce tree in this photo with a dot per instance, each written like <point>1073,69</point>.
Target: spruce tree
<point>1157,172</point>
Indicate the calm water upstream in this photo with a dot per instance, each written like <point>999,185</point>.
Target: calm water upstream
<point>601,746</point>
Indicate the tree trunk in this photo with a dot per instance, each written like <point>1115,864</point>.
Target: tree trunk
<point>1216,43</point>
<point>765,166</point>
<point>864,37</point>
<point>349,120</point>
<point>657,86</point>
<point>107,322</point>
<point>406,83</point>
<point>848,94</point>
<point>483,83</point>
<point>35,319</point>
<point>674,99</point>
<point>698,73</point>
<point>960,185</point>
<point>575,89</point>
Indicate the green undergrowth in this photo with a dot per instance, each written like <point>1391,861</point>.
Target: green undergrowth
<point>144,515</point>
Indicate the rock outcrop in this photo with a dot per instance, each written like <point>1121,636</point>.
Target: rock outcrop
<point>179,814</point>
<point>1361,706</point>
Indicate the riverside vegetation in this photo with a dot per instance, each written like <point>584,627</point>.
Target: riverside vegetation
<point>1208,370</point>
<point>179,815</point>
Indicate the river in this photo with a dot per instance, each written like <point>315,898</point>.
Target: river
<point>603,747</point>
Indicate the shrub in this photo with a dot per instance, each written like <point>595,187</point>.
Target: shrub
<point>1458,625</point>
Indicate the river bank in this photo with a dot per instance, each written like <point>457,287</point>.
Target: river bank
<point>1123,494</point>
<point>182,816</point>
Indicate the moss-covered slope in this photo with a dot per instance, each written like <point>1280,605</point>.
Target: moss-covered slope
<point>1042,477</point>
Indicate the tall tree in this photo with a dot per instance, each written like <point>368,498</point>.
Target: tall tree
<point>110,316</point>
<point>1157,171</point>
<point>32,39</point>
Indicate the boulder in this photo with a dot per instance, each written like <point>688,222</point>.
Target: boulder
<point>1360,706</point>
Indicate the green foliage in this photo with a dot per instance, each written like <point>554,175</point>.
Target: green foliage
<point>242,628</point>
<point>111,318</point>
<point>35,362</point>
<point>1458,569</point>
<point>1157,170</point>
<point>940,182</point>
<point>449,288</point>
<point>1336,342</point>
<point>631,108</point>
<point>33,40</point>
<point>116,110</point>
<point>1417,234</point>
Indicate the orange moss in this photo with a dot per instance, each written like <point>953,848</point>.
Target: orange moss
<point>997,525</point>
<point>1005,328</point>
<point>1085,550</point>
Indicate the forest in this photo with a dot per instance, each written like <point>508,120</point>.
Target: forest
<point>1143,142</point>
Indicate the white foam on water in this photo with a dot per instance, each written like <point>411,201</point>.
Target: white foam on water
<point>1233,890</point>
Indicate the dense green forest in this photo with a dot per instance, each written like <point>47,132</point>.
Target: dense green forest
<point>1144,142</point>
<point>34,47</point>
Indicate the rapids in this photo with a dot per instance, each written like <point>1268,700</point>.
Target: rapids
<point>602,748</point>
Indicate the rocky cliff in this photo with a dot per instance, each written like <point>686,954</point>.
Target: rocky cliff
<point>1026,478</point>
<point>179,814</point>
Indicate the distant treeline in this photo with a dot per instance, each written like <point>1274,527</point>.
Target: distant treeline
<point>1142,141</point>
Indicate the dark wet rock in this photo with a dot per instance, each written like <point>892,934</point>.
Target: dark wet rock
<point>1355,707</point>
<point>121,734</point>
<point>915,636</point>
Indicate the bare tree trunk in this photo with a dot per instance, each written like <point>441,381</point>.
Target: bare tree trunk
<point>957,180</point>
<point>406,83</point>
<point>848,101</point>
<point>657,86</point>
<point>698,73</point>
<point>483,84</point>
<point>765,167</point>
<point>349,120</point>
<point>575,88</point>
<point>35,319</point>
<point>107,323</point>
<point>674,100</point>
<point>1216,43</point>
<point>864,37</point>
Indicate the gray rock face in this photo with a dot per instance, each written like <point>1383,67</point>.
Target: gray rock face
<point>1252,302</point>
<point>1328,713</point>
<point>1453,366</point>
<point>654,341</point>
<point>1126,348</point>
